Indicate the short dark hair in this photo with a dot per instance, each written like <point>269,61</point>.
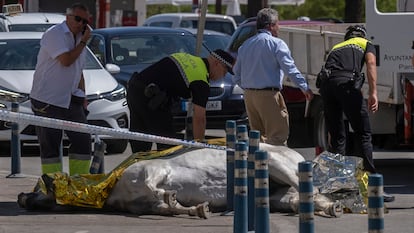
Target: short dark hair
<point>266,17</point>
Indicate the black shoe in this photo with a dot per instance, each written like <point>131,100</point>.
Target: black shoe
<point>388,197</point>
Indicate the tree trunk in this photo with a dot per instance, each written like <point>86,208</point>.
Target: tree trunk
<point>254,6</point>
<point>353,11</point>
<point>218,7</point>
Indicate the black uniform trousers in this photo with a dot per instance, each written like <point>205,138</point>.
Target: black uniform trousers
<point>340,97</point>
<point>145,120</point>
<point>50,139</point>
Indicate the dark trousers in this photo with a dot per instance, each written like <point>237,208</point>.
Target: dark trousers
<point>341,98</point>
<point>145,120</point>
<point>50,139</point>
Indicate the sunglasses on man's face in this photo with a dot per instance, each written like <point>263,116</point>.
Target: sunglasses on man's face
<point>78,19</point>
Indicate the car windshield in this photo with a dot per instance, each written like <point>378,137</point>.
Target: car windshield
<point>29,27</point>
<point>148,49</point>
<point>214,42</point>
<point>219,26</point>
<point>241,35</point>
<point>161,24</point>
<point>21,54</point>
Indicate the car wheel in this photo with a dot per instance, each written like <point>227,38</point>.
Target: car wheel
<point>116,146</point>
<point>321,131</point>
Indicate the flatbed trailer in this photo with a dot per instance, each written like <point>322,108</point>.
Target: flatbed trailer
<point>392,34</point>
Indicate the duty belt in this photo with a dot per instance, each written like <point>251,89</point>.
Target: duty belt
<point>342,73</point>
<point>264,89</point>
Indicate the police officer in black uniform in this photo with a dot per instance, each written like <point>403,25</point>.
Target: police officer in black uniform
<point>341,94</point>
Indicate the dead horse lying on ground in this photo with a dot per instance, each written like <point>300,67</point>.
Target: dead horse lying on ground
<point>194,183</point>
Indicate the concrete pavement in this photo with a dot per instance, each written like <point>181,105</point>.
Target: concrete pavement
<point>398,179</point>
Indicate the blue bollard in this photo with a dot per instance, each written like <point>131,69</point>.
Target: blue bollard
<point>254,140</point>
<point>261,192</point>
<point>231,144</point>
<point>242,135</point>
<point>375,204</point>
<point>306,208</point>
<point>98,161</point>
<point>240,189</point>
<point>15,145</point>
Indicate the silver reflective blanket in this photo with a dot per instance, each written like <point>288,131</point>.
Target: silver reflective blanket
<point>339,178</point>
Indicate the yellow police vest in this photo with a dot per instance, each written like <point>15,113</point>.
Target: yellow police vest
<point>360,42</point>
<point>192,68</point>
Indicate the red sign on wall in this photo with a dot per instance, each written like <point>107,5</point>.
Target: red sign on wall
<point>129,18</point>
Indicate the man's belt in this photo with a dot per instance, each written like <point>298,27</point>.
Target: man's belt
<point>264,89</point>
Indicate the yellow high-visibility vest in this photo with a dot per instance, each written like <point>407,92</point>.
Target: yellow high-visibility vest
<point>358,41</point>
<point>192,68</point>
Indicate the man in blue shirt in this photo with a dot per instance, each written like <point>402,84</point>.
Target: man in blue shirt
<point>261,64</point>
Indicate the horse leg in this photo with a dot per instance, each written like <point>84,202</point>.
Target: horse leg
<point>36,201</point>
<point>163,208</point>
<point>201,210</point>
<point>323,206</point>
<point>326,206</point>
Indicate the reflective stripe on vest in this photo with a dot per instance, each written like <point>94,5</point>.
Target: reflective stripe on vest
<point>192,68</point>
<point>356,42</point>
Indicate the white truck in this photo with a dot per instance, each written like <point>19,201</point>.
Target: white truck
<point>393,36</point>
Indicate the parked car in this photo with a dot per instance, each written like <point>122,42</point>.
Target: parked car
<point>214,22</point>
<point>107,104</point>
<point>135,48</point>
<point>14,19</point>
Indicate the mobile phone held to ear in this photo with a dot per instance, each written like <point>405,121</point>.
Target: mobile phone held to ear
<point>84,29</point>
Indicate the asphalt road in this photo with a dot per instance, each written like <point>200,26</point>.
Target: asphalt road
<point>397,168</point>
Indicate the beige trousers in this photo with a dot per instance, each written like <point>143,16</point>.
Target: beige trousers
<point>268,114</point>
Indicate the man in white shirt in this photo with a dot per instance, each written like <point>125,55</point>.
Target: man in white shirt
<point>58,90</point>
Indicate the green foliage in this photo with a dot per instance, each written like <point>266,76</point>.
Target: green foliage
<point>387,5</point>
<point>311,8</point>
<point>328,8</point>
<point>165,8</point>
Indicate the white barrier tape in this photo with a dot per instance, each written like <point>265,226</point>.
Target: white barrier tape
<point>23,118</point>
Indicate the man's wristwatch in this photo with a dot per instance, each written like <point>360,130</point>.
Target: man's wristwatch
<point>82,42</point>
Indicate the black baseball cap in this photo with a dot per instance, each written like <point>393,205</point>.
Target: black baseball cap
<point>225,58</point>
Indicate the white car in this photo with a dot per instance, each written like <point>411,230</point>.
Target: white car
<point>14,19</point>
<point>107,104</point>
<point>215,22</point>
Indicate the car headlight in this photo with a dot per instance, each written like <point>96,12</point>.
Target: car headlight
<point>117,94</point>
<point>237,90</point>
<point>12,96</point>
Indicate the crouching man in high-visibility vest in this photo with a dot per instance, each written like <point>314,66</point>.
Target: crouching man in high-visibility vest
<point>150,93</point>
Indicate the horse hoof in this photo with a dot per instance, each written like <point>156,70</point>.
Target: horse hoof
<point>170,198</point>
<point>203,211</point>
<point>21,200</point>
<point>336,209</point>
<point>294,204</point>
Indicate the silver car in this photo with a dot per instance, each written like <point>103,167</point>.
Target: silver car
<point>107,104</point>
<point>214,22</point>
